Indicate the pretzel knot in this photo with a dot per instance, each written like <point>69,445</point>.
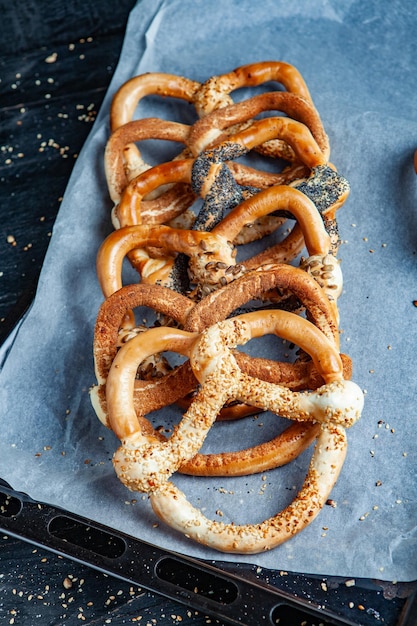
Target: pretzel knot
<point>144,464</point>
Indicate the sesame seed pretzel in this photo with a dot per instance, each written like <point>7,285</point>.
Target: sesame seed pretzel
<point>146,466</point>
<point>280,450</point>
<point>180,382</point>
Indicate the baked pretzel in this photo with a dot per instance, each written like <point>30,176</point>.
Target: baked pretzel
<point>211,128</point>
<point>144,463</point>
<point>120,168</point>
<point>280,450</point>
<point>206,97</point>
<point>216,306</point>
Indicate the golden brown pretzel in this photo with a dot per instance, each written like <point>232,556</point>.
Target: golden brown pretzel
<point>213,127</point>
<point>145,464</point>
<point>206,97</point>
<point>172,240</point>
<point>115,163</point>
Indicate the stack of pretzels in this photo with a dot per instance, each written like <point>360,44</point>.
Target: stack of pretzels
<point>184,224</point>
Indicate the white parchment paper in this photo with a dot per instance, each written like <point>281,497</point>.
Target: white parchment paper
<point>359,61</point>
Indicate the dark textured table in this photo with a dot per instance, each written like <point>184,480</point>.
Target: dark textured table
<point>56,60</point>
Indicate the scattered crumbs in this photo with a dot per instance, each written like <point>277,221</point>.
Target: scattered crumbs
<point>323,586</point>
<point>331,503</point>
<point>415,303</point>
<point>351,605</point>
<point>51,58</point>
<point>363,517</point>
<point>350,583</point>
<point>378,483</point>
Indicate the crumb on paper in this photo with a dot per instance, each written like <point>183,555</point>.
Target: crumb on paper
<point>51,58</point>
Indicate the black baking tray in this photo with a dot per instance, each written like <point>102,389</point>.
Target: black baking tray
<point>235,594</point>
<point>35,109</point>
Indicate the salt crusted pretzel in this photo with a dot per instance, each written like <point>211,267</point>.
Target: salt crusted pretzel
<point>144,464</point>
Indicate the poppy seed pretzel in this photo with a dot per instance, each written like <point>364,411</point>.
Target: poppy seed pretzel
<point>203,171</point>
<point>212,260</point>
<point>147,466</point>
<point>222,191</point>
<point>121,168</point>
